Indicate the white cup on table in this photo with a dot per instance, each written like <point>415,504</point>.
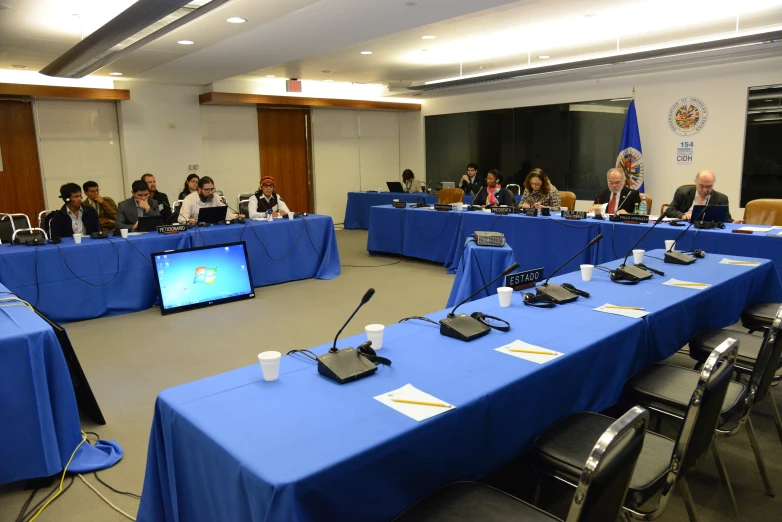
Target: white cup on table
<point>670,244</point>
<point>77,238</point>
<point>458,206</point>
<point>270,365</point>
<point>124,232</point>
<point>505,293</point>
<point>638,256</point>
<point>290,215</point>
<point>375,334</point>
<point>586,272</point>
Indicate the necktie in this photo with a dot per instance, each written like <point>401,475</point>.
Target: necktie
<point>611,204</point>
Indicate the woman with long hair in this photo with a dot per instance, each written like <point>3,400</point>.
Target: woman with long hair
<point>539,192</point>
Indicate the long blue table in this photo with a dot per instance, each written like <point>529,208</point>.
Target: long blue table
<point>234,447</point>
<point>359,203</point>
<point>477,266</point>
<point>39,420</point>
<point>101,277</point>
<point>424,233</point>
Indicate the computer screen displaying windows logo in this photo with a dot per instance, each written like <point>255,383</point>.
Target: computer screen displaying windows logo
<point>205,275</point>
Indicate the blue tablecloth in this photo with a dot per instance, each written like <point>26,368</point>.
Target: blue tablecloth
<point>39,420</point>
<point>477,266</point>
<point>359,203</point>
<point>233,447</point>
<point>117,273</point>
<point>424,233</point>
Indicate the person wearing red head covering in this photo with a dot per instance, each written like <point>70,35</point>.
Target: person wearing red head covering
<point>266,199</point>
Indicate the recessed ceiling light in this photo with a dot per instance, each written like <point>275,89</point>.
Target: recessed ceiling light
<point>328,80</point>
<point>236,20</point>
<point>326,71</point>
<point>18,67</point>
<point>115,73</point>
<point>428,37</point>
<point>185,42</point>
<point>366,52</point>
<point>544,57</point>
<point>270,76</point>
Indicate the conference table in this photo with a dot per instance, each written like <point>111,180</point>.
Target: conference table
<point>359,203</point>
<point>38,412</point>
<point>102,277</point>
<point>235,447</point>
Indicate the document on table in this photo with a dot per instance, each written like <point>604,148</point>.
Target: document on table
<point>529,352</point>
<point>628,311</point>
<point>686,284</point>
<point>726,261</point>
<point>136,233</point>
<point>414,403</point>
<point>756,229</point>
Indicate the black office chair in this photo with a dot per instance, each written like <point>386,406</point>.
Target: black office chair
<point>663,463</point>
<point>10,223</point>
<point>759,316</point>
<point>175,208</point>
<point>45,219</point>
<point>601,489</point>
<point>244,205</point>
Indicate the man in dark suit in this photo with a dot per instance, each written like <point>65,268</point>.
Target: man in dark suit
<point>703,193</point>
<point>160,197</point>
<point>617,198</point>
<point>139,205</point>
<point>471,182</point>
<point>72,218</point>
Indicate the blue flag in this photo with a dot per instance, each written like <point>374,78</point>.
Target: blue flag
<point>630,158</point>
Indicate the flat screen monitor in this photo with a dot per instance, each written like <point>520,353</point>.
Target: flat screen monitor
<point>204,276</point>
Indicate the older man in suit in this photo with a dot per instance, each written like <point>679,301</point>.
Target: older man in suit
<point>617,198</point>
<point>140,205</point>
<point>703,193</point>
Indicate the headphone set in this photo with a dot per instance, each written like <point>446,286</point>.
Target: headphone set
<point>501,325</point>
<point>544,301</point>
<point>367,351</point>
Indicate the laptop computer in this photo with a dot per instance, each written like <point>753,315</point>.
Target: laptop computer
<point>448,184</point>
<point>394,186</point>
<point>212,214</point>
<point>150,223</point>
<point>713,213</point>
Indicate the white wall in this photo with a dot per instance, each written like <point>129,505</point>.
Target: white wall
<point>719,146</point>
<point>230,149</point>
<point>79,141</point>
<point>378,134</point>
<point>161,134</point>
<point>411,144</point>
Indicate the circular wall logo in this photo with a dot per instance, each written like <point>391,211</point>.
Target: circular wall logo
<point>687,116</point>
<point>631,162</point>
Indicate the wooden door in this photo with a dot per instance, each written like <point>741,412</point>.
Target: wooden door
<point>285,151</point>
<point>20,176</point>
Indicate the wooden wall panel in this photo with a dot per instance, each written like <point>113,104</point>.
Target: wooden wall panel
<point>53,91</point>
<point>263,100</point>
<point>22,188</point>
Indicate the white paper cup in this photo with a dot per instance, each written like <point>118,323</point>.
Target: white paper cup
<point>505,293</point>
<point>670,244</point>
<point>638,256</point>
<point>290,215</point>
<point>270,365</point>
<point>459,206</point>
<point>77,238</point>
<point>124,232</point>
<point>586,272</point>
<point>375,334</point>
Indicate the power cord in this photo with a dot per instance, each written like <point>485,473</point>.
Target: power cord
<point>107,501</point>
<point>371,266</point>
<point>432,240</point>
<point>24,516</point>
<point>65,261</point>
<point>419,318</point>
<point>146,258</point>
<point>62,478</point>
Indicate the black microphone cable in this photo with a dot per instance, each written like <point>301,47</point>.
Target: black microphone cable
<point>65,261</point>
<point>418,231</point>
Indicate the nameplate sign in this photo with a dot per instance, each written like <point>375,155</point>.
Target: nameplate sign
<point>443,206</point>
<point>525,279</point>
<point>532,212</point>
<point>399,204</point>
<point>171,229</point>
<point>567,214</point>
<point>545,211</point>
<point>501,210</point>
<point>633,218</point>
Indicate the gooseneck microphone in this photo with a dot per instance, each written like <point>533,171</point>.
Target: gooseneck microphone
<point>680,258</point>
<point>463,326</point>
<point>364,300</point>
<point>635,273</point>
<point>557,294</point>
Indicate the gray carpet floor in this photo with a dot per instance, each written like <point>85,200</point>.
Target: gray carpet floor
<point>130,358</point>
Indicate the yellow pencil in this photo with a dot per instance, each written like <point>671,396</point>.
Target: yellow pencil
<point>690,284</point>
<point>624,307</point>
<point>531,351</point>
<point>423,403</point>
<point>743,263</point>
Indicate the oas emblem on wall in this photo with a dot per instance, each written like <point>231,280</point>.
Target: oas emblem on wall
<point>687,116</point>
<point>631,162</point>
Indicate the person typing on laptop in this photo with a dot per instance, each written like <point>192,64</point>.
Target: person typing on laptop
<point>203,198</point>
<point>703,193</point>
<point>140,205</point>
<point>267,199</point>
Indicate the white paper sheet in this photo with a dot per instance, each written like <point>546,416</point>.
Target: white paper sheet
<point>417,412</point>
<point>635,314</point>
<point>726,261</point>
<point>756,229</point>
<point>693,285</point>
<point>538,358</point>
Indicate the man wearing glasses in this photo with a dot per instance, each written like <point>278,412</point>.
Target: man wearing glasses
<point>617,198</point>
<point>140,205</point>
<point>703,193</point>
<point>204,197</point>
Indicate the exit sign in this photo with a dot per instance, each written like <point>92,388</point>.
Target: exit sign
<point>293,85</point>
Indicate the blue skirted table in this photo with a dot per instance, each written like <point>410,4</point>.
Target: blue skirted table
<point>234,447</point>
<point>359,203</point>
<point>424,233</point>
<point>477,266</point>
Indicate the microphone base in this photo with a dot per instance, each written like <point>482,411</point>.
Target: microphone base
<point>557,294</point>
<point>463,327</point>
<point>345,365</point>
<point>638,273</point>
<point>678,258</point>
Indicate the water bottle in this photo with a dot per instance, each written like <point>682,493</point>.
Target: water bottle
<point>642,208</point>
<point>635,210</point>
<point>269,216</point>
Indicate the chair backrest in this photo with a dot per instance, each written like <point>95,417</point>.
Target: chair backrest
<point>649,201</point>
<point>567,200</point>
<point>9,223</point>
<point>514,189</point>
<point>602,487</point>
<point>450,195</point>
<point>665,205</point>
<point>45,219</point>
<point>244,206</point>
<point>768,360</point>
<point>22,235</point>
<point>764,212</point>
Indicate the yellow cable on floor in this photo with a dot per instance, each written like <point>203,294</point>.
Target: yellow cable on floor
<point>107,501</point>
<point>62,479</point>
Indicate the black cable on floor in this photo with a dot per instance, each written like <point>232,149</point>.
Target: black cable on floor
<point>54,490</point>
<point>371,266</point>
<point>115,490</point>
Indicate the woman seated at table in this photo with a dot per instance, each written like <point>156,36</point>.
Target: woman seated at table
<point>409,183</point>
<point>267,199</point>
<point>493,194</point>
<point>191,185</point>
<point>539,192</point>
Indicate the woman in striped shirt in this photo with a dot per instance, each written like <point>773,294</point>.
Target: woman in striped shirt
<point>539,192</point>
